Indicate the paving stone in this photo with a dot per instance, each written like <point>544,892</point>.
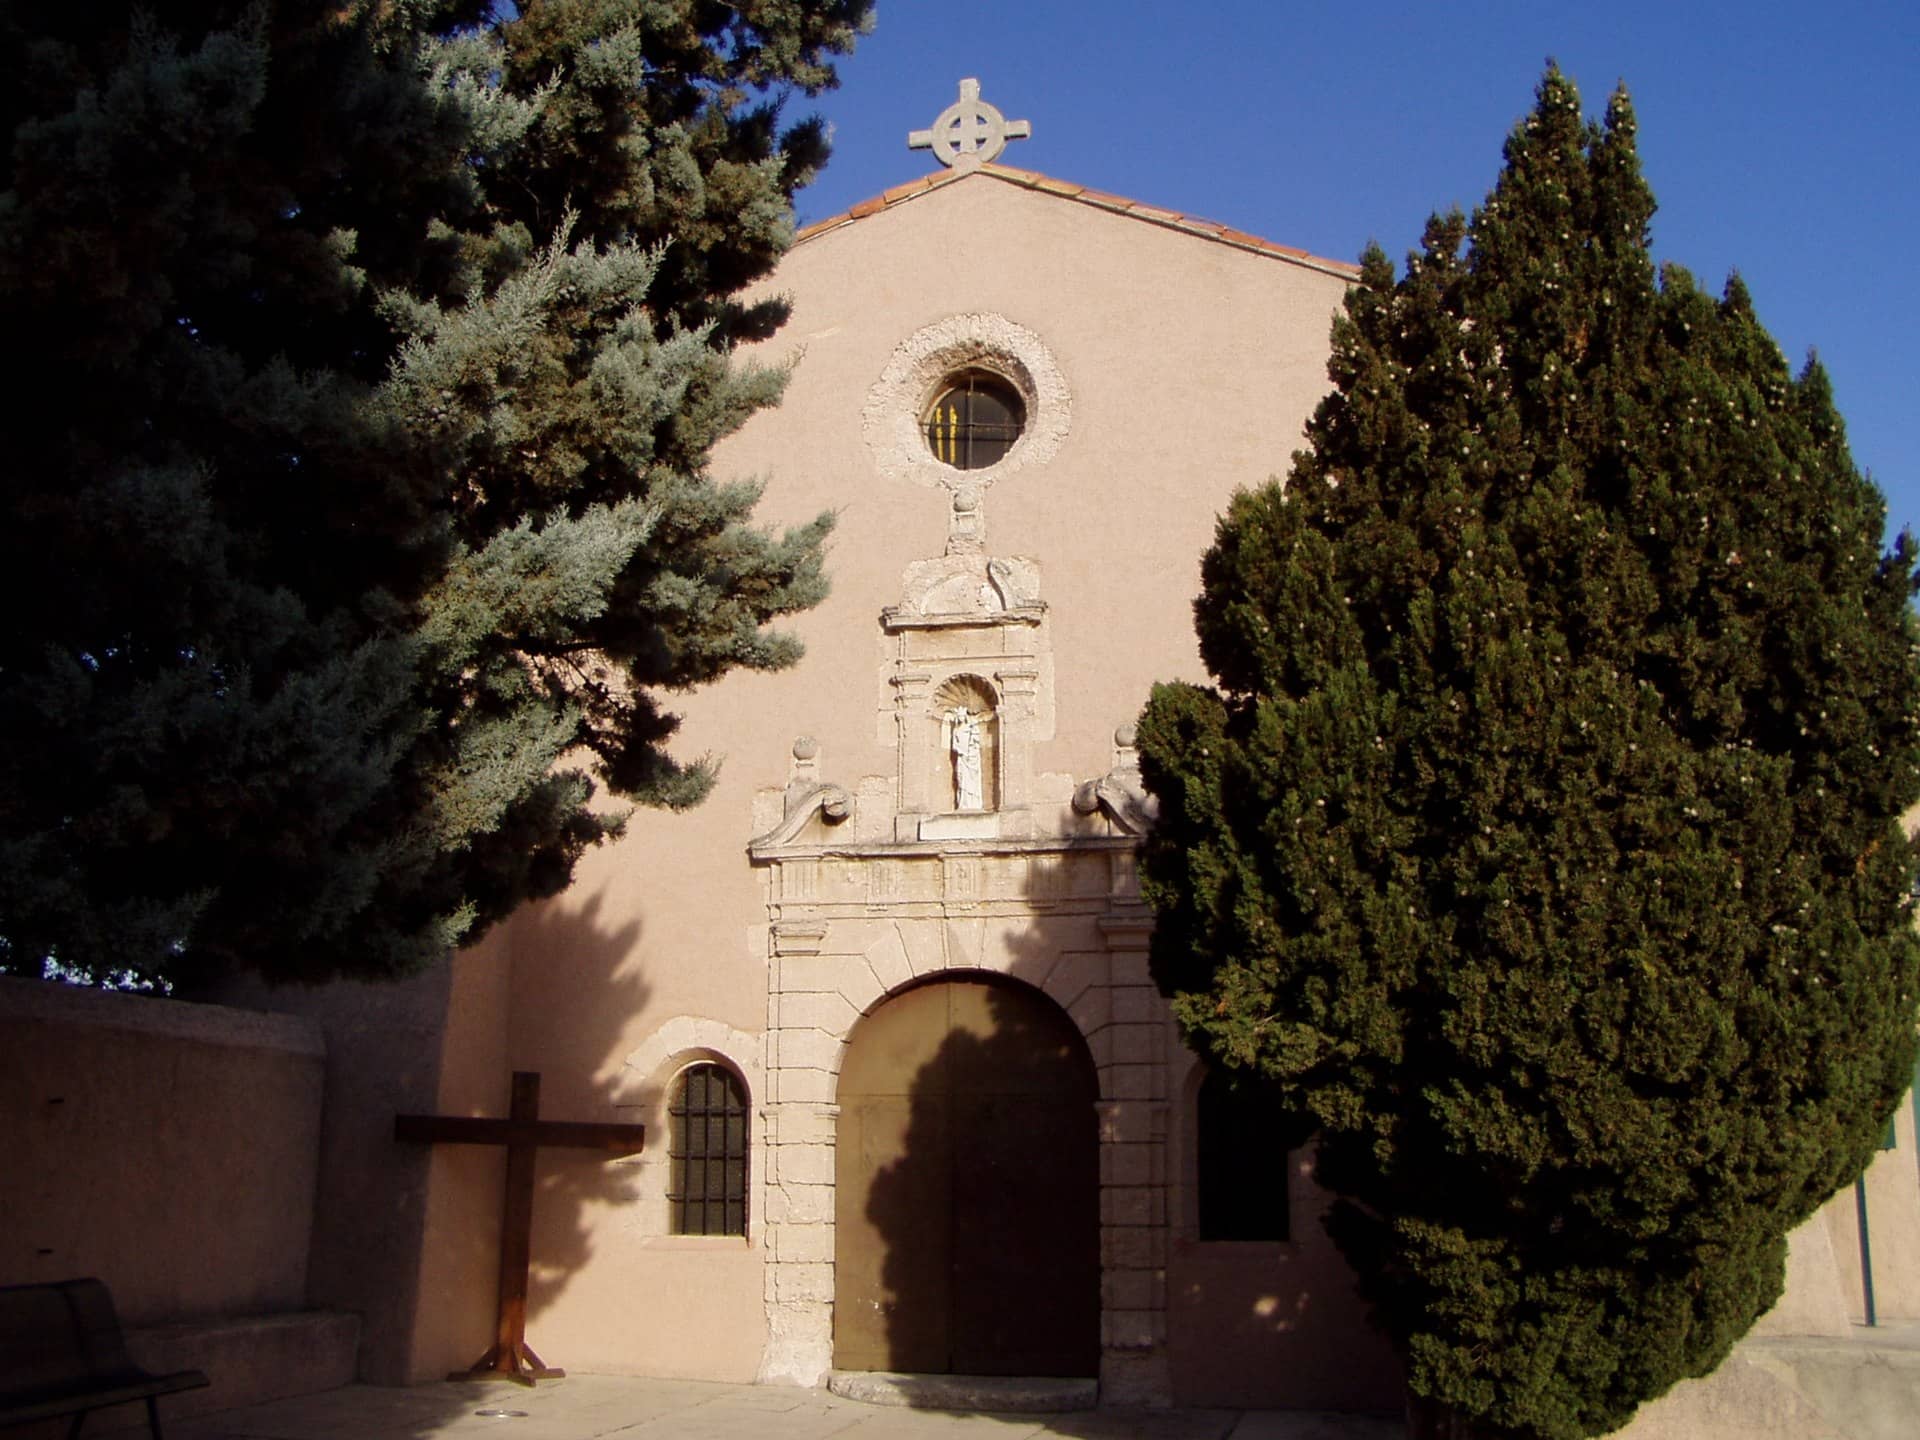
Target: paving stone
<point>607,1407</point>
<point>972,1393</point>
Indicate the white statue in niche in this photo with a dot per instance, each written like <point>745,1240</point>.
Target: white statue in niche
<point>964,740</point>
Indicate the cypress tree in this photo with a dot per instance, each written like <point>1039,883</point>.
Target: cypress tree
<point>359,508</point>
<point>1540,838</point>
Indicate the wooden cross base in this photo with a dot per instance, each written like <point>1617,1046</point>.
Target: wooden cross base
<point>515,1362</point>
<point>522,1133</point>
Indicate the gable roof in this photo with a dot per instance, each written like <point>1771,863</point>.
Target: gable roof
<point>1080,194</point>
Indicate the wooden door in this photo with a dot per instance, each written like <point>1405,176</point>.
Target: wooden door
<point>967,1187</point>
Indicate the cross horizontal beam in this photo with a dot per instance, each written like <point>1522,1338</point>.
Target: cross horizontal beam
<point>482,1130</point>
<point>521,1134</point>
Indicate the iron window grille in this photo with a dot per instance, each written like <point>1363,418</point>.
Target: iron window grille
<point>707,1194</point>
<point>976,421</point>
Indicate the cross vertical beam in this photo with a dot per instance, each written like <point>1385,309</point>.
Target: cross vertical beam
<point>522,1133</point>
<point>510,1353</point>
<point>969,132</point>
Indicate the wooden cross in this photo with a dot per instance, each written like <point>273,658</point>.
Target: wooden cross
<point>523,1132</point>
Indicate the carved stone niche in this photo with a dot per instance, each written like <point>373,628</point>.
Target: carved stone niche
<point>969,684</point>
<point>966,709</point>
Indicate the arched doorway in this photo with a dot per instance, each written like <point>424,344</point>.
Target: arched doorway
<point>967,1187</point>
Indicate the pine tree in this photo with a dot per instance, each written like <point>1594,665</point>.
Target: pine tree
<point>359,508</point>
<point>1541,840</point>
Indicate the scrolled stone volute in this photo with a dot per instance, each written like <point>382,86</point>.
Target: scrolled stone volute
<point>832,803</point>
<point>1124,799</point>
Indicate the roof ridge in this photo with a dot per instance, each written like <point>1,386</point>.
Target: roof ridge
<point>1085,195</point>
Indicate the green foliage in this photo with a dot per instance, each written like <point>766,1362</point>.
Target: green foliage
<point>1542,838</point>
<point>370,358</point>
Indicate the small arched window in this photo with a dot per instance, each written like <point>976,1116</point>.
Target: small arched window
<point>707,1121</point>
<point>1247,1139</point>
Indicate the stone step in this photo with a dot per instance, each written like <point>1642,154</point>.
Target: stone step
<point>249,1359</point>
<point>992,1394</point>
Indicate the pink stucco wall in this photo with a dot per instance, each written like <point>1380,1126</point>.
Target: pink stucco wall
<point>169,1149</point>
<point>1192,366</point>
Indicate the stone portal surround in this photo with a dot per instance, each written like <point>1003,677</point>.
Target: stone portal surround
<point>1063,916</point>
<point>910,889</point>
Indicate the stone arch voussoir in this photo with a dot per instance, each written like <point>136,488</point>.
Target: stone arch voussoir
<point>685,1040</point>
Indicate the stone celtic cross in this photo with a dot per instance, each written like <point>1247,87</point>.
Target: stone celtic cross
<point>969,132</point>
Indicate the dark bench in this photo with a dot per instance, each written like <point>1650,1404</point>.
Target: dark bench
<point>62,1353</point>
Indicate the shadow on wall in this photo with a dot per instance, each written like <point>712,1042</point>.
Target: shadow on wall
<point>968,1195</point>
<point>408,1235</point>
<point>1262,1310</point>
<point>572,1183</point>
<point>968,1192</point>
<point>973,1190</point>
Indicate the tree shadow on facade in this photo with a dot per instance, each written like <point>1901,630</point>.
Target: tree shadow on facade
<point>601,992</point>
<point>408,1235</point>
<point>969,1187</point>
<point>1281,1304</point>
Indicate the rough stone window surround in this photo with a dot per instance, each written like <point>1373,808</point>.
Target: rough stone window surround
<point>648,1077</point>
<point>926,363</point>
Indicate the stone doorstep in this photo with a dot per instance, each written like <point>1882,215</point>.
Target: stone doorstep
<point>989,1394</point>
<point>250,1359</point>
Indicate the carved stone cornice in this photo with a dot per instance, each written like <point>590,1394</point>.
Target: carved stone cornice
<point>766,851</point>
<point>895,618</point>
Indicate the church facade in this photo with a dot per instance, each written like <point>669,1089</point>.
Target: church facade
<point>914,1103</point>
<point>880,1005</point>
<point>882,1001</point>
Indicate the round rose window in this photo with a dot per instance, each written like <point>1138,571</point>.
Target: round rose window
<point>975,420</point>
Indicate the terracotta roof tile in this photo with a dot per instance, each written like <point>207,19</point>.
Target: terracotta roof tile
<point>1240,237</point>
<point>1118,204</point>
<point>819,227</point>
<point>908,190</point>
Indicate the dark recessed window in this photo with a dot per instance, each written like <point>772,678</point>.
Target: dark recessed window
<point>1247,1140</point>
<point>975,421</point>
<point>708,1149</point>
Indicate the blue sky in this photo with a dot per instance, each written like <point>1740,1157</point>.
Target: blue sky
<point>1780,140</point>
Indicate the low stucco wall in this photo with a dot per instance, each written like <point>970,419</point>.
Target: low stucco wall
<point>1892,1185</point>
<point>1861,1386</point>
<point>383,1053</point>
<point>168,1148</point>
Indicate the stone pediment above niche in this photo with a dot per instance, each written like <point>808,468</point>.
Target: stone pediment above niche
<point>968,590</point>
